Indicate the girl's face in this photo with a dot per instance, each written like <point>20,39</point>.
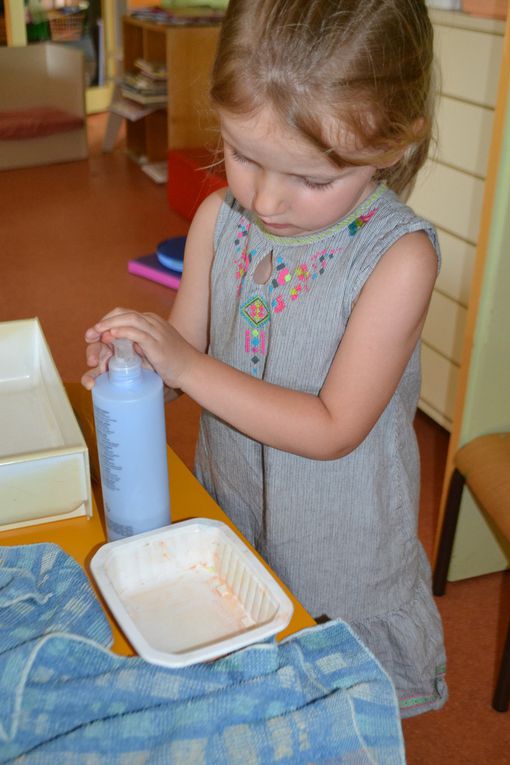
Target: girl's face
<point>290,185</point>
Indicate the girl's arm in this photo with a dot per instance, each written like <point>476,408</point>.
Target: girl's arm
<point>189,312</point>
<point>381,335</point>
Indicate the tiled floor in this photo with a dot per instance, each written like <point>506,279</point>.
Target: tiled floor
<point>66,234</point>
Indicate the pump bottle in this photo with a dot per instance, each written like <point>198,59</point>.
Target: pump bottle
<point>130,426</point>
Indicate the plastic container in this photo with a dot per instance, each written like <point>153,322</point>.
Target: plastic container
<point>189,593</point>
<point>44,461</point>
<point>170,253</point>
<point>130,424</point>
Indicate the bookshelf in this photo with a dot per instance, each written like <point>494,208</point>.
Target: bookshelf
<point>188,52</point>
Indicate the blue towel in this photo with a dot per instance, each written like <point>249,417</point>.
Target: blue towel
<point>316,697</point>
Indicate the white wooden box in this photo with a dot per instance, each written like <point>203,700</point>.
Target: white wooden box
<point>44,461</point>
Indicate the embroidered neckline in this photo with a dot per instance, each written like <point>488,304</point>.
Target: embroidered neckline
<point>317,236</point>
<point>286,284</point>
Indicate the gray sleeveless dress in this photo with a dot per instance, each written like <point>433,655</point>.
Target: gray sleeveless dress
<point>342,534</point>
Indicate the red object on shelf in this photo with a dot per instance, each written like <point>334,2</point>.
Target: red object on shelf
<point>191,179</point>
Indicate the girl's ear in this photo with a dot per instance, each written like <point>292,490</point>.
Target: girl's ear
<point>394,156</point>
<point>418,126</point>
<point>391,158</point>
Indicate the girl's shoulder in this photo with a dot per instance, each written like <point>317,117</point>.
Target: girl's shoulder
<point>219,215</point>
<point>230,213</point>
<point>208,210</point>
<point>404,243</point>
<point>393,220</point>
<point>199,240</point>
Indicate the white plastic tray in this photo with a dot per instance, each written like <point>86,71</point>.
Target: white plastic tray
<point>44,462</point>
<point>189,592</point>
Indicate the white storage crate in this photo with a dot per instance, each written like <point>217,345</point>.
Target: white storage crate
<point>44,462</point>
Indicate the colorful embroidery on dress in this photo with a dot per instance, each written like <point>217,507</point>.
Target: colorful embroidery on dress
<point>256,312</point>
<point>244,257</point>
<point>278,304</point>
<point>409,702</point>
<point>303,273</point>
<point>359,217</point>
<point>283,275</point>
<point>243,228</point>
<point>360,221</point>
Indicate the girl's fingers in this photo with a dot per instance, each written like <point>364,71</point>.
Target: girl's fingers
<point>117,312</point>
<point>146,331</point>
<point>140,328</point>
<point>88,380</point>
<point>121,318</point>
<point>99,350</point>
<point>92,354</point>
<point>143,341</point>
<point>92,333</point>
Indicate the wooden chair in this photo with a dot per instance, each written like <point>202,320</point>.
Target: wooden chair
<point>483,465</point>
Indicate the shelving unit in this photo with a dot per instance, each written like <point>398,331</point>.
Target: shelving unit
<point>188,52</point>
<point>450,192</point>
<point>467,195</point>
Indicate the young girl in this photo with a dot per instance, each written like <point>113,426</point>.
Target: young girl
<point>297,323</point>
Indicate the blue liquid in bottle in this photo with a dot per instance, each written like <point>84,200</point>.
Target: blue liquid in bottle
<point>129,415</point>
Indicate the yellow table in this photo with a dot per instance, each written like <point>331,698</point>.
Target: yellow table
<point>81,537</point>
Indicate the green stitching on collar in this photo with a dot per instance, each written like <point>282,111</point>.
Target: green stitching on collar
<point>317,236</point>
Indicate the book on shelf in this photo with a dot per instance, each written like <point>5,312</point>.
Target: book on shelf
<point>143,98</point>
<point>144,84</point>
<point>129,109</point>
<point>147,84</point>
<point>155,70</point>
<point>184,15</point>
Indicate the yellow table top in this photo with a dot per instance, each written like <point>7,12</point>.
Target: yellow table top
<point>82,537</point>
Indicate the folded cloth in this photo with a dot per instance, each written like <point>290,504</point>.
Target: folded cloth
<point>43,590</point>
<point>317,697</point>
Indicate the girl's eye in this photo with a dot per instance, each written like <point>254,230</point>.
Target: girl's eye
<point>238,157</point>
<point>317,185</point>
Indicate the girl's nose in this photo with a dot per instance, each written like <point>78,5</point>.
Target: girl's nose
<point>268,195</point>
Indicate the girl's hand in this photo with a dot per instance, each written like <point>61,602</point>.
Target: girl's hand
<point>98,353</point>
<point>156,340</point>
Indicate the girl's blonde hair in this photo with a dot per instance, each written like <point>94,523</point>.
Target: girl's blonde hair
<point>331,68</point>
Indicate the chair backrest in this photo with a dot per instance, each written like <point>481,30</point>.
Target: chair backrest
<point>485,464</point>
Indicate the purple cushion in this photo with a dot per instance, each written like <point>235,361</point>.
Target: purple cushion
<point>36,122</point>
